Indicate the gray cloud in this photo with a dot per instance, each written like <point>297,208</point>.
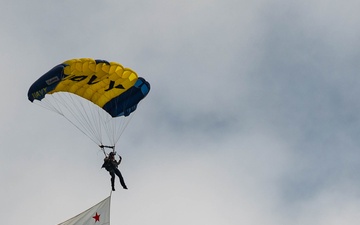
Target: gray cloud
<point>252,116</point>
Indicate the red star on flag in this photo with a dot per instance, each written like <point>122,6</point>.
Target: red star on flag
<point>96,217</point>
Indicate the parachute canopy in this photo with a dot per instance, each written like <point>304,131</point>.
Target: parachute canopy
<point>109,85</point>
<point>92,94</point>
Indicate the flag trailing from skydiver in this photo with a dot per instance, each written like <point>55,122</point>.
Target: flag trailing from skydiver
<point>99,214</point>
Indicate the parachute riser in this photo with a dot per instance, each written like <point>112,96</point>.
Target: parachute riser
<point>106,146</point>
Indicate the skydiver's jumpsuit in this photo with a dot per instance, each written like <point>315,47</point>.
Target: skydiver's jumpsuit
<point>111,165</point>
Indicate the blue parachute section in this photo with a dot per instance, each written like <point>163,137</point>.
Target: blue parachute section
<point>46,83</point>
<point>127,102</point>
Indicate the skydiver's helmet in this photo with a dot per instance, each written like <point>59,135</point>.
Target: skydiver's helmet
<point>112,154</point>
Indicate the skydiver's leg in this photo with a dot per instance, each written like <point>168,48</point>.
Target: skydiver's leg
<point>112,174</point>
<point>122,182</point>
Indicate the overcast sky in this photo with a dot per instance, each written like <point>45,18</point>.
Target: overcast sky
<point>253,116</point>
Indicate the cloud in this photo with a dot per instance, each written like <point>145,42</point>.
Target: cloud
<point>252,116</point>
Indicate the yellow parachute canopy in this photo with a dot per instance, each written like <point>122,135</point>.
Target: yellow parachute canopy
<point>95,95</point>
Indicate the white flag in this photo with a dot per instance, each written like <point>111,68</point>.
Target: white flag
<point>99,214</point>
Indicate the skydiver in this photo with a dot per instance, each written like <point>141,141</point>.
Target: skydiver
<point>111,165</point>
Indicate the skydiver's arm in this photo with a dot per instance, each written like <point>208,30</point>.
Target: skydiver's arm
<point>120,158</point>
